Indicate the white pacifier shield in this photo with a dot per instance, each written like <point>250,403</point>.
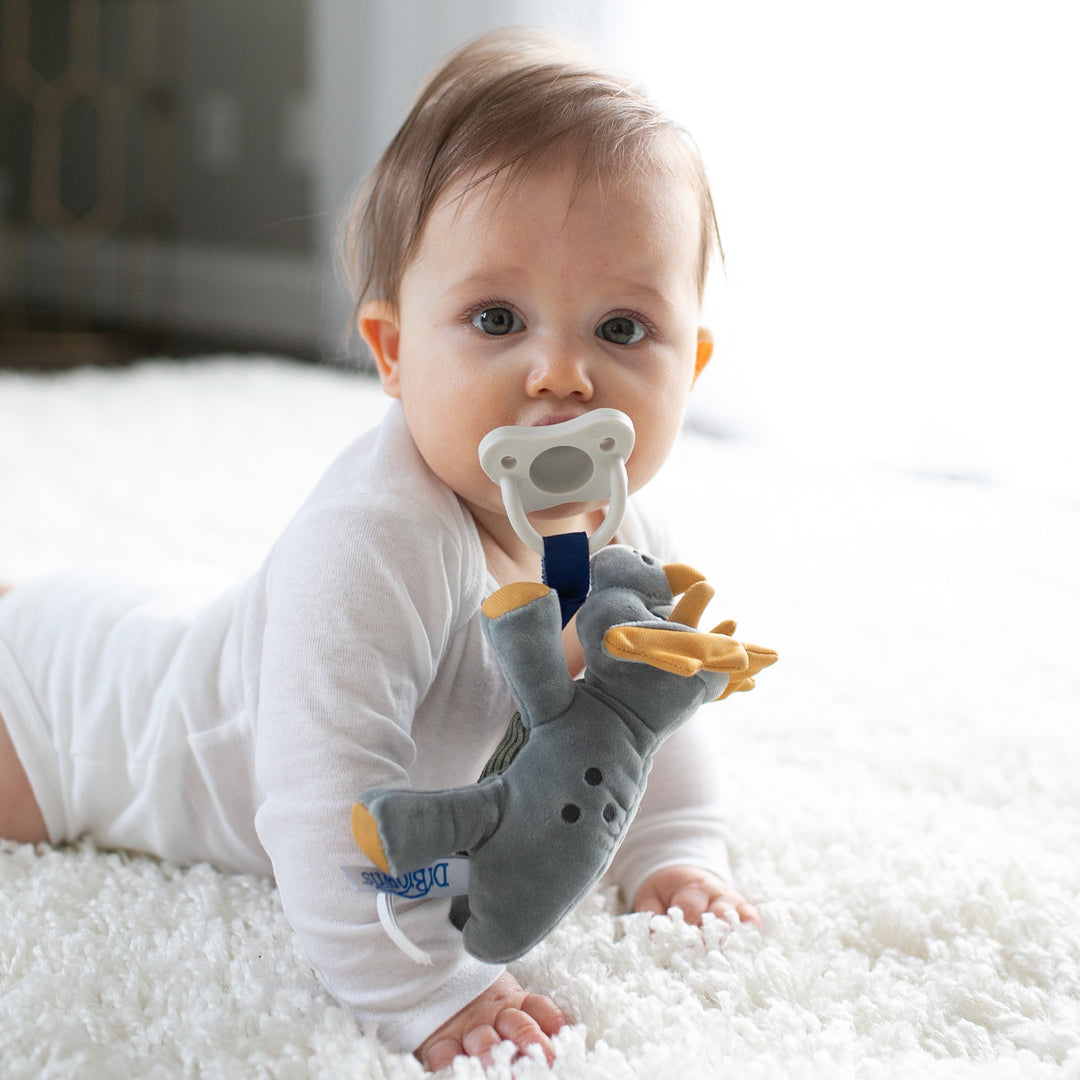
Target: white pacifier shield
<point>580,460</point>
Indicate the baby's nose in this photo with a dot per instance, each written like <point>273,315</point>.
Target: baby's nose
<point>561,373</point>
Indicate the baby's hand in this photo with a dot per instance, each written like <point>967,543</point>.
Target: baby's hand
<point>503,1011</point>
<point>695,892</point>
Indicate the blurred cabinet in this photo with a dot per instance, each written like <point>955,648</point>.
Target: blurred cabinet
<point>155,178</point>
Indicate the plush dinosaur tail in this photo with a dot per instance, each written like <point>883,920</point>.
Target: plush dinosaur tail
<point>401,830</point>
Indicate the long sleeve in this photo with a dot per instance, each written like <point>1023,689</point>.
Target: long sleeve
<point>355,645</point>
<point>679,821</point>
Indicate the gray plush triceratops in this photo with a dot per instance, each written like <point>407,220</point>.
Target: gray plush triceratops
<point>541,830</point>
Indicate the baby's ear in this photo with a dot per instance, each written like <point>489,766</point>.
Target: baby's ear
<point>378,326</point>
<point>704,350</point>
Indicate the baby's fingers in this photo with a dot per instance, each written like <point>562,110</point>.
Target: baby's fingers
<point>742,907</point>
<point>523,1031</point>
<point>545,1012</point>
<point>478,1042</point>
<point>440,1055</point>
<point>693,900</point>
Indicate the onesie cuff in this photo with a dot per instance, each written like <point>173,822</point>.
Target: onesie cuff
<point>407,1031</point>
<point>670,840</point>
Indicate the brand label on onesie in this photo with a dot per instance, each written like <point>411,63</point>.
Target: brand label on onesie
<point>447,877</point>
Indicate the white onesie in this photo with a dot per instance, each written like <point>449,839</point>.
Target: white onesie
<point>239,730</point>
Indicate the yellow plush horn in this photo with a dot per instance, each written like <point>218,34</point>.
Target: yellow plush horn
<point>690,608</point>
<point>681,577</point>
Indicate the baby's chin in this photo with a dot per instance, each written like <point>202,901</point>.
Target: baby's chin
<point>569,517</point>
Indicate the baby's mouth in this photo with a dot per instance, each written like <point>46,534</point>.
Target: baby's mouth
<point>556,418</point>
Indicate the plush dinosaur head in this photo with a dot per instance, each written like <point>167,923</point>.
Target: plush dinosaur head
<point>644,648</point>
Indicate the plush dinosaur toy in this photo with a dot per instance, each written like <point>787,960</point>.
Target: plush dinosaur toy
<point>544,822</point>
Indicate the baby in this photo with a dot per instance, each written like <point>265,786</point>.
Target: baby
<point>533,245</point>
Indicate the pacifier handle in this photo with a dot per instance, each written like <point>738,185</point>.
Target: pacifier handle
<point>511,494</point>
<point>579,460</point>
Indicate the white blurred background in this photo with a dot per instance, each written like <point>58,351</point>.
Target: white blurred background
<point>896,186</point>
<point>899,195</point>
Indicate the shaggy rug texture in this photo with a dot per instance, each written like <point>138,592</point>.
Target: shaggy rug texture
<point>903,787</point>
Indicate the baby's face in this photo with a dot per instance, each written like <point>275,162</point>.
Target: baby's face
<point>523,307</point>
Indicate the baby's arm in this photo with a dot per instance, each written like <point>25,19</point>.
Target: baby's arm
<point>503,1011</point>
<point>346,656</point>
<point>675,853</point>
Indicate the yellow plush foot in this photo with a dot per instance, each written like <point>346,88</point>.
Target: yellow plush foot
<point>512,597</point>
<point>365,832</point>
<point>759,658</point>
<point>680,652</point>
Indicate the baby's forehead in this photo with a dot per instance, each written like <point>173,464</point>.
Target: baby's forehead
<point>554,231</point>
<point>495,189</point>
<point>659,193</point>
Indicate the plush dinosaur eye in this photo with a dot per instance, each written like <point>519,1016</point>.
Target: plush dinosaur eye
<point>593,777</point>
<point>570,813</point>
<point>609,813</point>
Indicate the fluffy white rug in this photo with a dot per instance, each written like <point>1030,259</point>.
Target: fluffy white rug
<point>904,786</point>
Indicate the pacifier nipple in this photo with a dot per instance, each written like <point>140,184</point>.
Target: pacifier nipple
<point>561,470</point>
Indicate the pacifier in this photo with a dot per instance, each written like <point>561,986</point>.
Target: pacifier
<point>579,460</point>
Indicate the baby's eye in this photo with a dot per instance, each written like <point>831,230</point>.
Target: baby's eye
<point>497,321</point>
<point>621,330</point>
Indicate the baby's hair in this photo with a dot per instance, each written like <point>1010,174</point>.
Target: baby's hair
<point>510,102</point>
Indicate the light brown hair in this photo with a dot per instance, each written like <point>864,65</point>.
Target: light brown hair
<point>510,101</point>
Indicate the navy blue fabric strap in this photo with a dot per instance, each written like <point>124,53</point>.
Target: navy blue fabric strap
<point>566,570</point>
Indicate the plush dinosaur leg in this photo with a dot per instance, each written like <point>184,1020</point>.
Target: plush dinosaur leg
<point>524,625</point>
<point>401,830</point>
